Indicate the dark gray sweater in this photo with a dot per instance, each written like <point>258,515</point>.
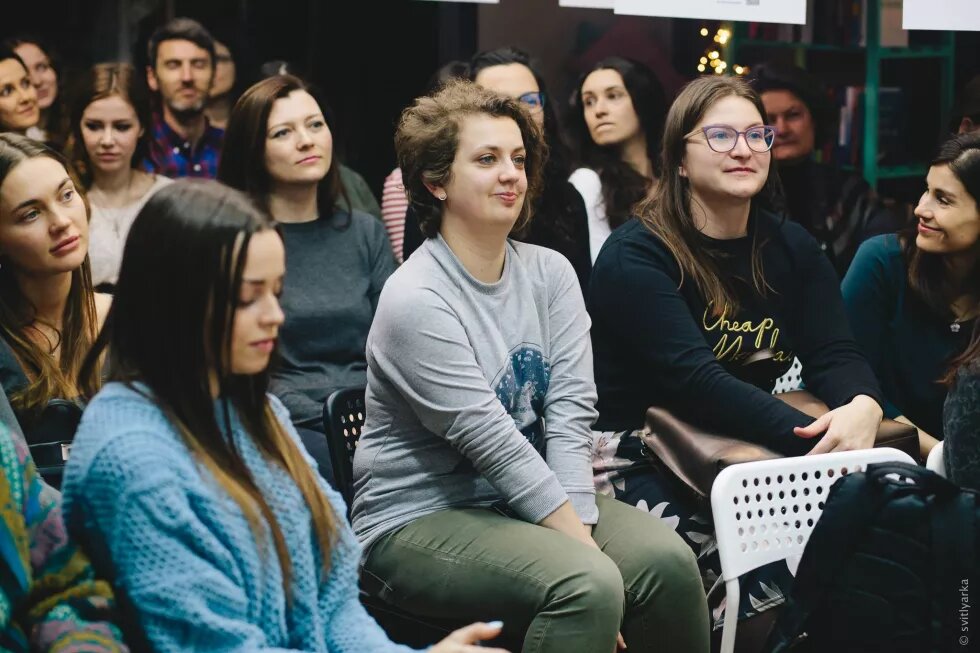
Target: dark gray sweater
<point>334,275</point>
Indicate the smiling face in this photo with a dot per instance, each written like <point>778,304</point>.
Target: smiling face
<point>739,174</point>
<point>43,76</point>
<point>795,129</point>
<point>298,146</point>
<point>18,99</point>
<point>182,74</point>
<point>949,219</point>
<point>110,131</point>
<point>608,109</point>
<point>43,222</point>
<point>513,80</point>
<point>488,182</point>
<point>258,315</point>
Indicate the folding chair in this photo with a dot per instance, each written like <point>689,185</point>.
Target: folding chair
<point>343,418</point>
<point>765,511</point>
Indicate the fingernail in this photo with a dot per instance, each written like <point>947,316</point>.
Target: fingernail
<point>495,624</point>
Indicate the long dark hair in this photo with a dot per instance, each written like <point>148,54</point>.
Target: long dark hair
<point>622,185</point>
<point>242,164</point>
<point>170,329</point>
<point>49,378</point>
<point>102,81</point>
<point>553,209</point>
<point>668,212</point>
<point>927,275</point>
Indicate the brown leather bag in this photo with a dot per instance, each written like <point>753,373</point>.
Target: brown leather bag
<point>696,455</point>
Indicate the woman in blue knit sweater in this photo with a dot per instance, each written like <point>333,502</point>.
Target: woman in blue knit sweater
<point>187,483</point>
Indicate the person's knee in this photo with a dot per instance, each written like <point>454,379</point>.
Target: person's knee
<point>594,584</point>
<point>667,566</point>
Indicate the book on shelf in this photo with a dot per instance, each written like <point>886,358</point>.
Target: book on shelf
<point>837,23</point>
<point>846,148</point>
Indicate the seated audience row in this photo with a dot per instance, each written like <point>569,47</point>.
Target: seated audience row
<point>483,412</point>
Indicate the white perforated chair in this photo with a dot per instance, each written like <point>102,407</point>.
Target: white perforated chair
<point>765,511</point>
<point>935,462</point>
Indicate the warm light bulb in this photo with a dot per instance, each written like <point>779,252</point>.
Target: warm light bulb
<point>719,70</point>
<point>700,67</point>
<point>713,54</point>
<point>738,70</point>
<point>704,59</point>
<point>704,31</point>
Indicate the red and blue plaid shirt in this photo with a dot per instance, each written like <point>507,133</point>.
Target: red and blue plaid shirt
<point>172,156</point>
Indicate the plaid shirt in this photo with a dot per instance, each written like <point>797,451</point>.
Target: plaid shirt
<point>172,156</point>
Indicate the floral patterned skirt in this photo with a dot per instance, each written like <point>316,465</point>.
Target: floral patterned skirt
<point>622,470</point>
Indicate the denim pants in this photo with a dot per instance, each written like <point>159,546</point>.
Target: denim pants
<point>482,564</point>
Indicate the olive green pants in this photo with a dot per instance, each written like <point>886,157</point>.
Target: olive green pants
<point>479,564</point>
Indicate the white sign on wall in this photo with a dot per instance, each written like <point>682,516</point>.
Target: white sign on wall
<point>957,15</point>
<point>761,11</point>
<point>591,4</point>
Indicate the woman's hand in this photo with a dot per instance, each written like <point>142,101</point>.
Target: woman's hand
<point>847,428</point>
<point>464,640</point>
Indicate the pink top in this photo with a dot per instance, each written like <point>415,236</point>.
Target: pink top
<point>394,204</point>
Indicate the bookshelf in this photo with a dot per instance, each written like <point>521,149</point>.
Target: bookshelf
<point>875,57</point>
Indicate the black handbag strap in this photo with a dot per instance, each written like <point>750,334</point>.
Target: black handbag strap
<point>848,505</point>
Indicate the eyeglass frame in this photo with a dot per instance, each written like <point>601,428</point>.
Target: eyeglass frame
<point>704,130</point>
<point>542,99</point>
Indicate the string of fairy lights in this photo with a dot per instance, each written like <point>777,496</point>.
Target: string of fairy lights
<point>713,56</point>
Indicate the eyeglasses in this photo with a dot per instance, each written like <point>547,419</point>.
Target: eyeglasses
<point>533,101</point>
<point>722,138</point>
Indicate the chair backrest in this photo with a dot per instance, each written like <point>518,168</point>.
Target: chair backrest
<point>343,417</point>
<point>936,462</point>
<point>765,511</point>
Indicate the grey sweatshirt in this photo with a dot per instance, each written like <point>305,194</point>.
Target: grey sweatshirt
<point>476,392</point>
<point>334,275</point>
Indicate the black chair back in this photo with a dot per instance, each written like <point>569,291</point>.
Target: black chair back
<point>343,418</point>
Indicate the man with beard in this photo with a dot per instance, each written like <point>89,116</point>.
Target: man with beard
<point>180,71</point>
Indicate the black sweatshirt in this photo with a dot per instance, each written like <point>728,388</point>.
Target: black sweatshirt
<point>655,342</point>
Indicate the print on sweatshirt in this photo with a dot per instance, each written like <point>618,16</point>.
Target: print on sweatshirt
<point>521,387</point>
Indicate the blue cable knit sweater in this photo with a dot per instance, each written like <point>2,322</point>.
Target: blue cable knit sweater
<point>180,552</point>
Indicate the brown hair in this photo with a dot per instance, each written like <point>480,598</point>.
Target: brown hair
<point>174,335</point>
<point>242,163</point>
<point>102,81</point>
<point>48,378</point>
<point>927,275</point>
<point>428,136</point>
<point>668,213</point>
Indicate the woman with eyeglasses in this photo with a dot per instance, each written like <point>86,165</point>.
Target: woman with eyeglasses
<point>617,119</point>
<point>710,276</point>
<point>561,220</point>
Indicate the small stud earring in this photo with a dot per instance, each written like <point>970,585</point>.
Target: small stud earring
<point>442,198</point>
